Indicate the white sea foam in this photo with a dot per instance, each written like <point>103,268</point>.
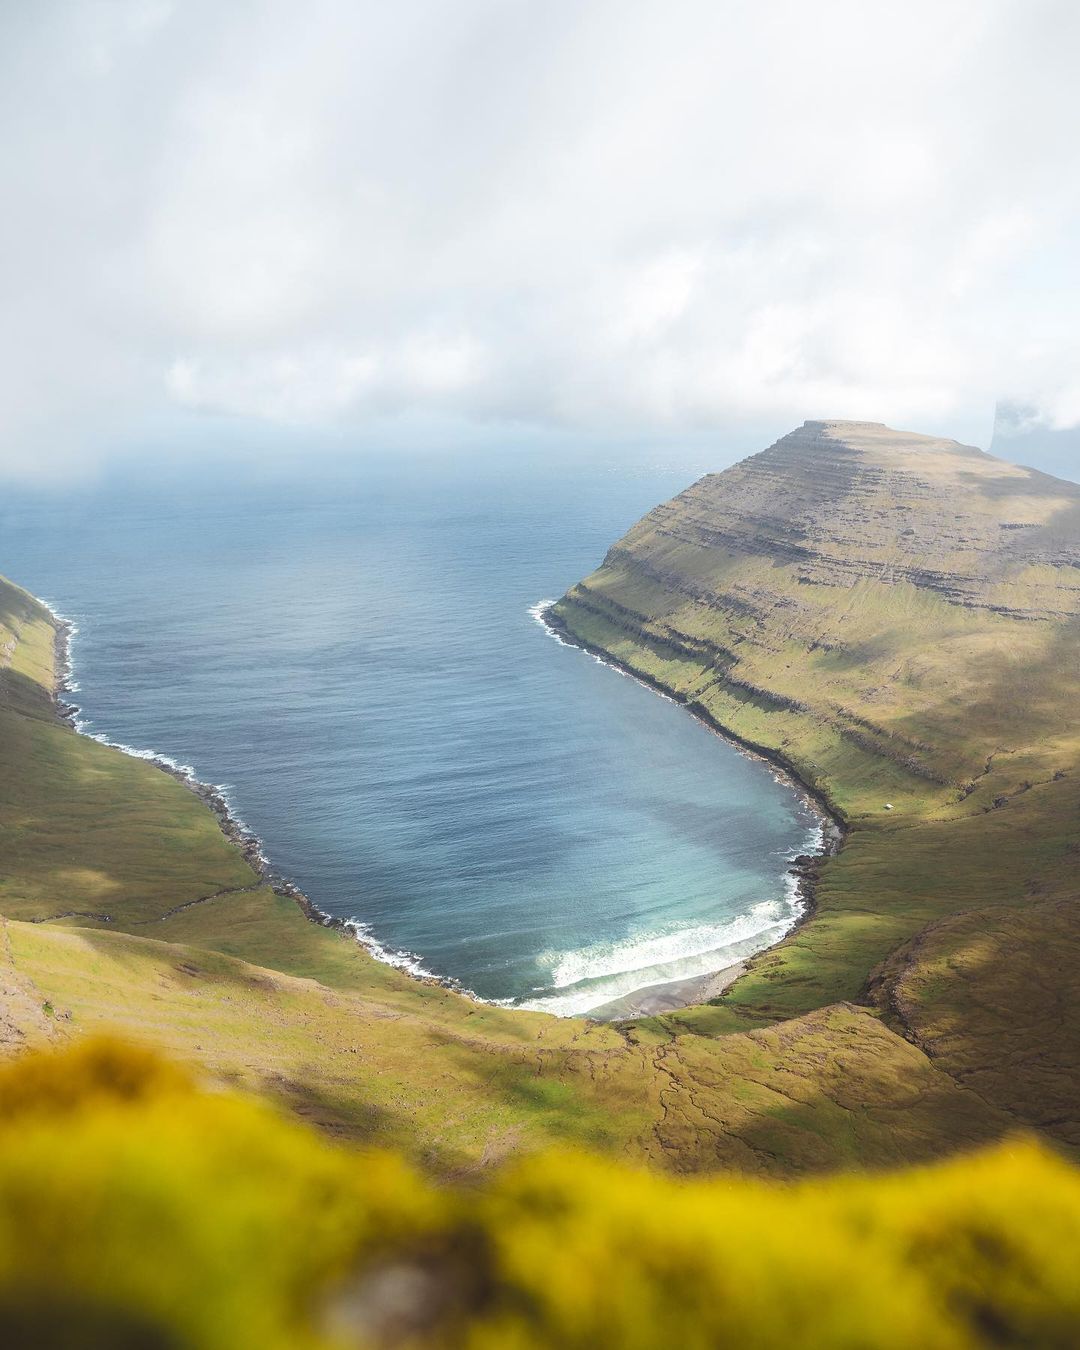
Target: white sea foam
<point>410,962</point>
<point>594,975</point>
<point>642,953</point>
<point>538,611</point>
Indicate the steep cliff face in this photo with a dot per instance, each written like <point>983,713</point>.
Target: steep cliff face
<point>898,618</point>
<point>845,501</point>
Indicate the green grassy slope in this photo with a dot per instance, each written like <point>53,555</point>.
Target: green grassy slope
<point>88,831</point>
<point>461,1086</point>
<point>896,617</point>
<point>126,908</point>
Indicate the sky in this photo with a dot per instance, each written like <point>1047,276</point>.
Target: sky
<point>603,219</point>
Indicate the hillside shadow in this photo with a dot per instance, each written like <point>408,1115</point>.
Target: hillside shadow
<point>14,608</point>
<point>1027,482</point>
<point>1056,541</point>
<point>982,984</point>
<point>1025,698</point>
<point>795,1141</point>
<point>25,696</point>
<point>562,1096</point>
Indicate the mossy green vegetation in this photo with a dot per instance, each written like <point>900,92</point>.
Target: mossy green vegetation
<point>138,1209</point>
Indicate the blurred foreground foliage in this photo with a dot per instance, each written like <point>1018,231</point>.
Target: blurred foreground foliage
<point>141,1211</point>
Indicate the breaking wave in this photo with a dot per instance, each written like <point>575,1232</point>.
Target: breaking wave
<point>583,980</point>
<point>407,961</point>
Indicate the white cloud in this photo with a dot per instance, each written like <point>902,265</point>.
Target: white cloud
<point>605,214</point>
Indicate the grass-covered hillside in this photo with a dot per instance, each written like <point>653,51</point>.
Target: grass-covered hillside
<point>898,619</point>
<point>926,1007</point>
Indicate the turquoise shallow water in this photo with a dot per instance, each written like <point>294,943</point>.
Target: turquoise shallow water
<point>353,655</point>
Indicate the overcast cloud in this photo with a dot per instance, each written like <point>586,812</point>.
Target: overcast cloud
<point>605,215</point>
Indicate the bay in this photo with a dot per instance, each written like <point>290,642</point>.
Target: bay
<point>352,650</point>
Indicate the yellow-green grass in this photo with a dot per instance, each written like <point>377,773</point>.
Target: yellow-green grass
<point>994,995</point>
<point>90,831</point>
<point>459,1086</point>
<point>223,971</point>
<point>139,1209</point>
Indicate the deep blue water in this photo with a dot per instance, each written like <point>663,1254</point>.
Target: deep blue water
<point>351,652</point>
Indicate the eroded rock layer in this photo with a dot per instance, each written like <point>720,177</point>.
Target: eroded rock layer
<point>847,501</point>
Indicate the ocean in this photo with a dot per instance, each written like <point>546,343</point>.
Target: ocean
<point>352,651</point>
